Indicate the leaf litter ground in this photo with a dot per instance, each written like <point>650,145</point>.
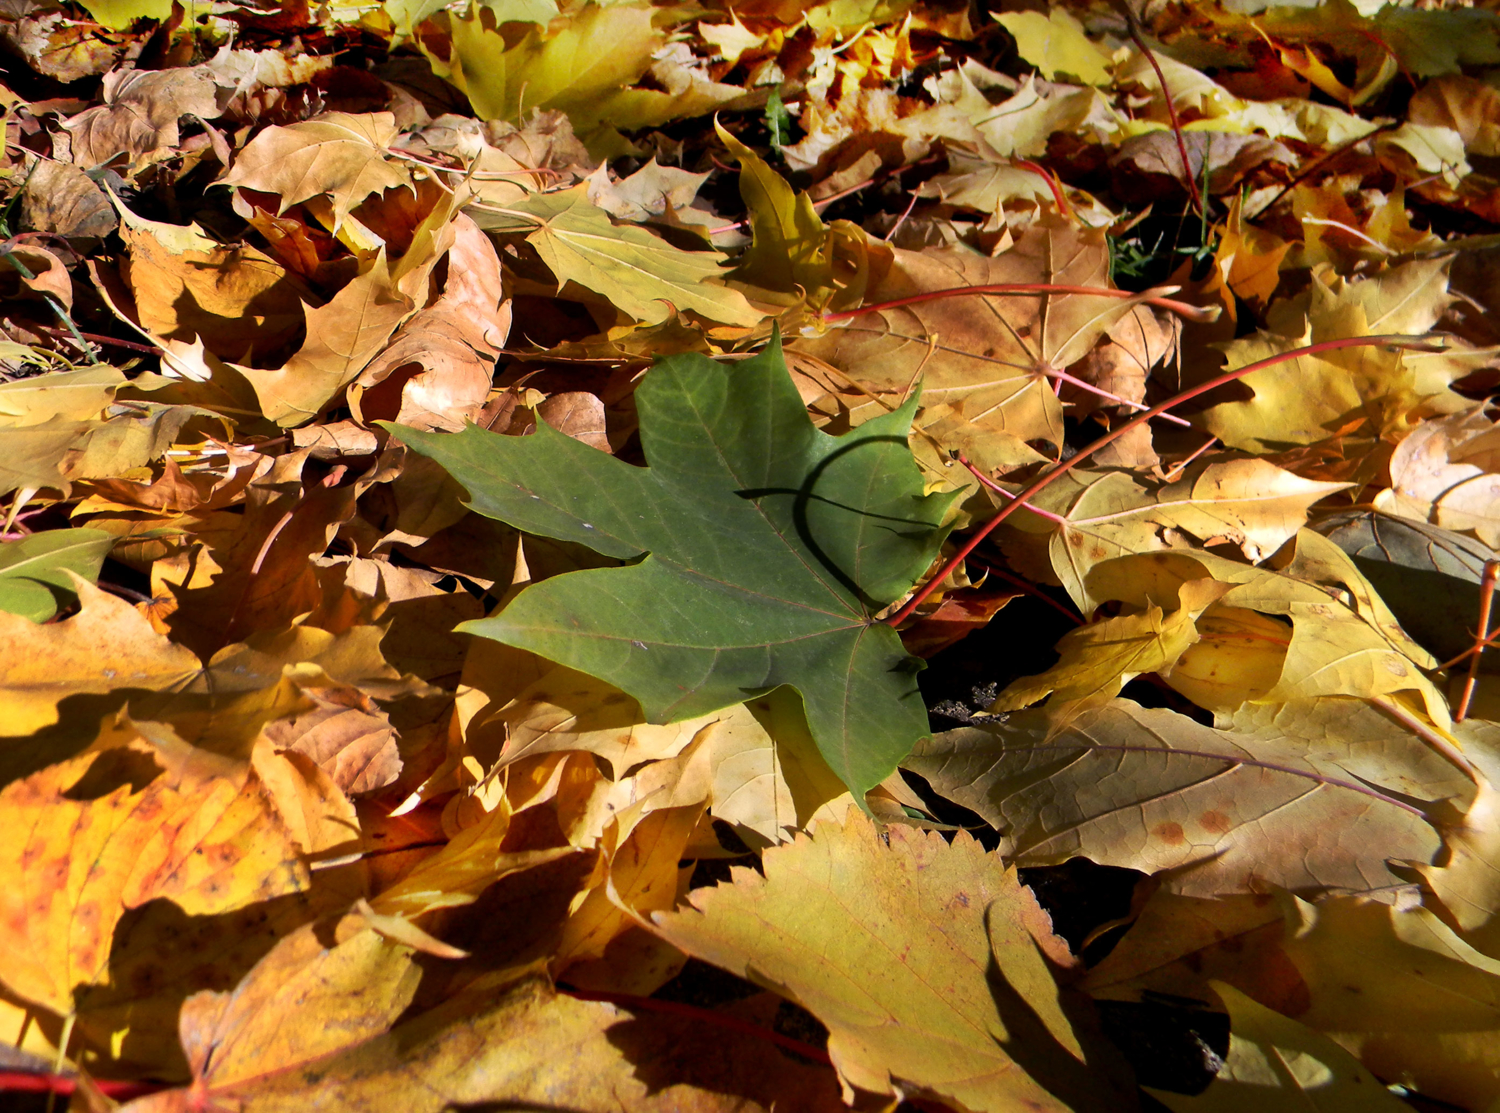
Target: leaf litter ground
<point>454,652</point>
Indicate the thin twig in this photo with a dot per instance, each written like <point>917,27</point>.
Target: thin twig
<point>1187,167</point>
<point>1481,638</point>
<point>1409,342</point>
<point>1198,313</point>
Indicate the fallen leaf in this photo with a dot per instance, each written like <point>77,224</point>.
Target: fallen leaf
<point>34,571</point>
<point>139,115</point>
<point>1447,472</point>
<point>338,154</point>
<point>504,1047</point>
<point>1274,1059</point>
<point>967,1012</point>
<point>108,645</point>
<point>113,829</point>
<point>1224,811</point>
<point>1055,44</point>
<point>639,273</point>
<point>813,599</point>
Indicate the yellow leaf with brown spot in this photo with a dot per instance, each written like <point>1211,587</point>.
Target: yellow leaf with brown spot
<point>109,831</point>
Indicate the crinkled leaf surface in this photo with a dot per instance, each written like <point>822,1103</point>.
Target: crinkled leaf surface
<point>771,548</point>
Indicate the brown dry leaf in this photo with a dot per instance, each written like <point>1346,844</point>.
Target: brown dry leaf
<point>1177,943</point>
<point>641,849</point>
<point>983,362</point>
<point>1447,471</point>
<point>1149,166</point>
<point>436,371</point>
<point>66,49</point>
<point>1247,262</point>
<point>62,199</point>
<point>107,646</point>
<point>1120,365</point>
<point>343,337</point>
<point>346,735</point>
<point>139,115</point>
<point>185,285</point>
<point>918,955</point>
<point>566,710</point>
<point>250,571</point>
<point>338,154</point>
<point>523,1045</point>
<point>579,414</point>
<point>142,817</point>
<point>1303,801</point>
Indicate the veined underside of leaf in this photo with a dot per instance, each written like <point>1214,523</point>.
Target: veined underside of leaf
<point>772,546</point>
<point>1318,797</point>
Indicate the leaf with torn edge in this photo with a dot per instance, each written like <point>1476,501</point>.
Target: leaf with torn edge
<point>924,960</point>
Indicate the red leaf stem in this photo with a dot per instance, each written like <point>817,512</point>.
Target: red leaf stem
<point>1412,343</point>
<point>37,1082</point>
<point>1166,94</point>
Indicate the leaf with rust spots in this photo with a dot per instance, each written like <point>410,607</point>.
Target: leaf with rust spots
<point>110,830</point>
<point>1314,796</point>
<point>918,956</point>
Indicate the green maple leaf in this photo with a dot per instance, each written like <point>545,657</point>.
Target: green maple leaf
<point>769,547</point>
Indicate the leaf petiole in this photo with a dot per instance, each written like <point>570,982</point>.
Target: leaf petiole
<point>1410,343</point>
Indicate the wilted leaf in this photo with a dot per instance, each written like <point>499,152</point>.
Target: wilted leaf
<point>707,620</point>
<point>964,1009</point>
<point>1224,811</point>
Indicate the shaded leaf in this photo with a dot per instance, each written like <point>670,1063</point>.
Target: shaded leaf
<point>34,571</point>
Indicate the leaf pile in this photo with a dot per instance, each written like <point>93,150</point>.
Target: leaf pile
<point>481,484</point>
